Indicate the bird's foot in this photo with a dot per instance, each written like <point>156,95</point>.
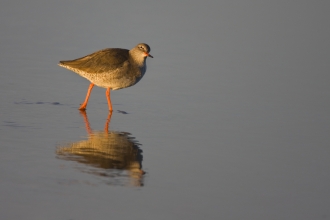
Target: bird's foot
<point>82,107</point>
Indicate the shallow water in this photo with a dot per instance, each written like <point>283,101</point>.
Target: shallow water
<point>231,120</point>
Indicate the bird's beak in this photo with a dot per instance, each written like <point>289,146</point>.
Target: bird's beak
<point>147,54</point>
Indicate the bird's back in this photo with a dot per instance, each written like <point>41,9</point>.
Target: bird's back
<point>102,61</point>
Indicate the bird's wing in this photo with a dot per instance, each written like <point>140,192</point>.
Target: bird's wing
<point>106,60</point>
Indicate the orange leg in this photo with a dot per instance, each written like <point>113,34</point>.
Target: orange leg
<point>84,105</point>
<point>107,94</point>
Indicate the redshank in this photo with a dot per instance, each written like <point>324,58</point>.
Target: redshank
<point>111,68</point>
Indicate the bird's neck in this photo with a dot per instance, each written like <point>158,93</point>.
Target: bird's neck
<point>138,59</point>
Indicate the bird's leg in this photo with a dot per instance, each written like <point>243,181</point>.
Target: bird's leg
<point>84,105</point>
<point>107,94</point>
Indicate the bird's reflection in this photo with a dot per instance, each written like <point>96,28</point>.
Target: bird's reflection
<point>107,153</point>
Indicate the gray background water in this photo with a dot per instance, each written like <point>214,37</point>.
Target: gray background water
<point>232,116</point>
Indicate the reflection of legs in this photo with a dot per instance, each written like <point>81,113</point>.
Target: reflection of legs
<point>106,127</point>
<point>84,105</point>
<point>88,128</point>
<point>107,94</point>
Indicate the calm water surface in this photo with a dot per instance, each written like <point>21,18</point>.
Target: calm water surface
<point>231,120</point>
